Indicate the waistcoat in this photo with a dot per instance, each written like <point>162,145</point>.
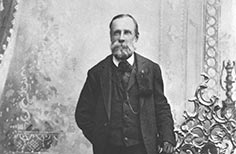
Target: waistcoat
<point>124,123</point>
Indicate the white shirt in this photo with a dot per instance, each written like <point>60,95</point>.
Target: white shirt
<point>130,60</point>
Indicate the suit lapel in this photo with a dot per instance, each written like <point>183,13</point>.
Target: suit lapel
<point>132,78</point>
<point>106,85</point>
<point>140,66</point>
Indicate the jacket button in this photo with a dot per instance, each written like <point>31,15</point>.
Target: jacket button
<point>126,138</point>
<point>105,124</point>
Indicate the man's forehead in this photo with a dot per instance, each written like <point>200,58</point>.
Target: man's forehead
<point>123,22</point>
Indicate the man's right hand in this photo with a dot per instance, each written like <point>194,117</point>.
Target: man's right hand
<point>168,148</point>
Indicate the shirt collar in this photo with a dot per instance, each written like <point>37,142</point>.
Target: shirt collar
<point>130,60</point>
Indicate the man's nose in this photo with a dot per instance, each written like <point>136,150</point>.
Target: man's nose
<point>121,39</point>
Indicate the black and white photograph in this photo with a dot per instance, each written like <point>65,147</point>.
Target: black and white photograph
<point>118,77</point>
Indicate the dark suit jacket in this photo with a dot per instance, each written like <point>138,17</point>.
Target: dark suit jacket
<point>93,109</point>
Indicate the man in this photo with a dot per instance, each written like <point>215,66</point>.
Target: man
<point>122,108</point>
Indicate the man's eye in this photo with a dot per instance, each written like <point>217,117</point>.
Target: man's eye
<point>116,33</point>
<point>127,32</point>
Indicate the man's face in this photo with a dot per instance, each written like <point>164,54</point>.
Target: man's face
<point>122,37</point>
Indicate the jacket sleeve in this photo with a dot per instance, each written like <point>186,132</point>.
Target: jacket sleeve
<point>164,118</point>
<point>85,108</point>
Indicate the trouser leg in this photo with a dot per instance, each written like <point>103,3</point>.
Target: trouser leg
<point>135,149</point>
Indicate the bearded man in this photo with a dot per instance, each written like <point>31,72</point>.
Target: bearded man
<point>122,108</point>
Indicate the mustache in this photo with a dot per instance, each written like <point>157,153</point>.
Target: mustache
<point>116,45</point>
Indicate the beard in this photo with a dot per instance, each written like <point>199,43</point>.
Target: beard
<point>122,51</point>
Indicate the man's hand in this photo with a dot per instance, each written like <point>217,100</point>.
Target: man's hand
<point>168,148</point>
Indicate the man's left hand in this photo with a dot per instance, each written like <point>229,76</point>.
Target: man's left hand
<point>168,147</point>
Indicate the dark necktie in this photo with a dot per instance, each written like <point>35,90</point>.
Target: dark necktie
<point>125,68</point>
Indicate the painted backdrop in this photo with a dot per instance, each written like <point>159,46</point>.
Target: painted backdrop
<point>55,44</point>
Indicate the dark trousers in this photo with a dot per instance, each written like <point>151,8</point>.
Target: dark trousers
<point>135,149</point>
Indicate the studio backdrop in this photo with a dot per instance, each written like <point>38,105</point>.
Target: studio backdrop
<point>47,47</point>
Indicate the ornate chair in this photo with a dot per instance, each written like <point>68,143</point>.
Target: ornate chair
<point>211,127</point>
